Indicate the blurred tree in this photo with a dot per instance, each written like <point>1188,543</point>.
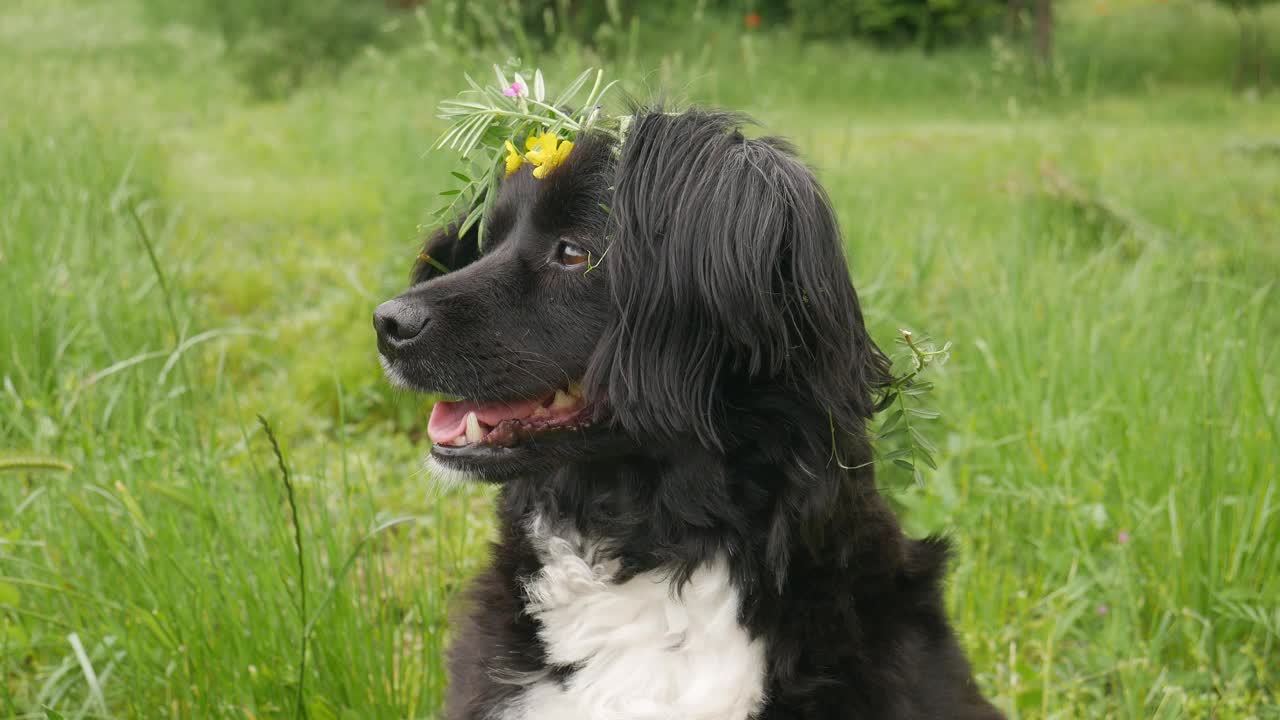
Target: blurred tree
<point>1044,35</point>
<point>1013,18</point>
<point>277,43</point>
<point>925,23</point>
<point>1252,52</point>
<point>526,27</point>
<point>583,20</point>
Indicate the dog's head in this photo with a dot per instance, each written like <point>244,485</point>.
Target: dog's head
<point>687,290</point>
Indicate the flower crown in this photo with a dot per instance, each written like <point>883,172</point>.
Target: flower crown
<point>498,130</point>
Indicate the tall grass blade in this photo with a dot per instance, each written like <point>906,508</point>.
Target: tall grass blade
<point>301,708</point>
<point>90,677</point>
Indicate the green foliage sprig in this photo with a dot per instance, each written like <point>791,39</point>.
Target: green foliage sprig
<point>900,439</point>
<point>484,118</point>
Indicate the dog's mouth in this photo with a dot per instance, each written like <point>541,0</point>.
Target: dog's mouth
<point>468,424</point>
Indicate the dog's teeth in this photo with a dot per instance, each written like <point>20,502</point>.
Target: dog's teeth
<point>460,441</point>
<point>541,412</point>
<point>575,388</point>
<point>475,433</point>
<point>562,401</point>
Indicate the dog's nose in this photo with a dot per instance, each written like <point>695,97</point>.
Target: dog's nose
<point>398,322</point>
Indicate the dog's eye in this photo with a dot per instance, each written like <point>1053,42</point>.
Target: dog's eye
<point>570,255</point>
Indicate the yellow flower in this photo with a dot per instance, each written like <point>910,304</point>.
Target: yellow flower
<point>546,153</point>
<point>514,159</point>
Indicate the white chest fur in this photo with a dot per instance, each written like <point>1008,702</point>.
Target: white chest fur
<point>641,651</point>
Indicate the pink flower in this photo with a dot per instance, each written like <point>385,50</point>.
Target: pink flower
<point>1122,537</point>
<point>1103,610</point>
<point>516,90</point>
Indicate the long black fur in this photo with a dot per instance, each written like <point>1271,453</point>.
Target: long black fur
<point>724,347</point>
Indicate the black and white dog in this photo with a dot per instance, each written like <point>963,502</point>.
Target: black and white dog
<point>659,356</point>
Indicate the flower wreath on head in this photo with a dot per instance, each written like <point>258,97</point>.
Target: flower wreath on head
<point>498,130</point>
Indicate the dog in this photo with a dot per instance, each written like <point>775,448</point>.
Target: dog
<point>658,354</point>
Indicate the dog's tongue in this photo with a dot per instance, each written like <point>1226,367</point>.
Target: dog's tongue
<point>449,419</point>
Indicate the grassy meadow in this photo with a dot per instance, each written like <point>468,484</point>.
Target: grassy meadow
<point>178,256</point>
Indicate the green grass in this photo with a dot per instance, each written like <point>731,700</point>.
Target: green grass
<point>1110,374</point>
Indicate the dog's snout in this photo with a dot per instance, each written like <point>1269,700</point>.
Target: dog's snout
<point>398,322</point>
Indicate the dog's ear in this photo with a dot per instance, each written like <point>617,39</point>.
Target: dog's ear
<point>726,268</point>
<point>446,250</point>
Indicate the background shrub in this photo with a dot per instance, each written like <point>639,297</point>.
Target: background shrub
<point>926,23</point>
<point>277,44</point>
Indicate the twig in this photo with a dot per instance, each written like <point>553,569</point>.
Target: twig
<point>433,262</point>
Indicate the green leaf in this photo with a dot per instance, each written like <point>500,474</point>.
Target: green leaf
<point>924,413</point>
<point>451,135</point>
<point>51,714</point>
<point>893,434</point>
<point>904,463</point>
<point>591,96</point>
<point>462,130</point>
<point>465,105</point>
<point>539,88</point>
<point>472,139</point>
<point>917,389</point>
<point>561,118</point>
<point>891,422</point>
<point>573,88</point>
<point>461,177</point>
<point>891,456</point>
<point>450,193</point>
<point>598,98</point>
<point>472,218</point>
<point>927,458</point>
<point>922,441</point>
<point>489,197</point>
